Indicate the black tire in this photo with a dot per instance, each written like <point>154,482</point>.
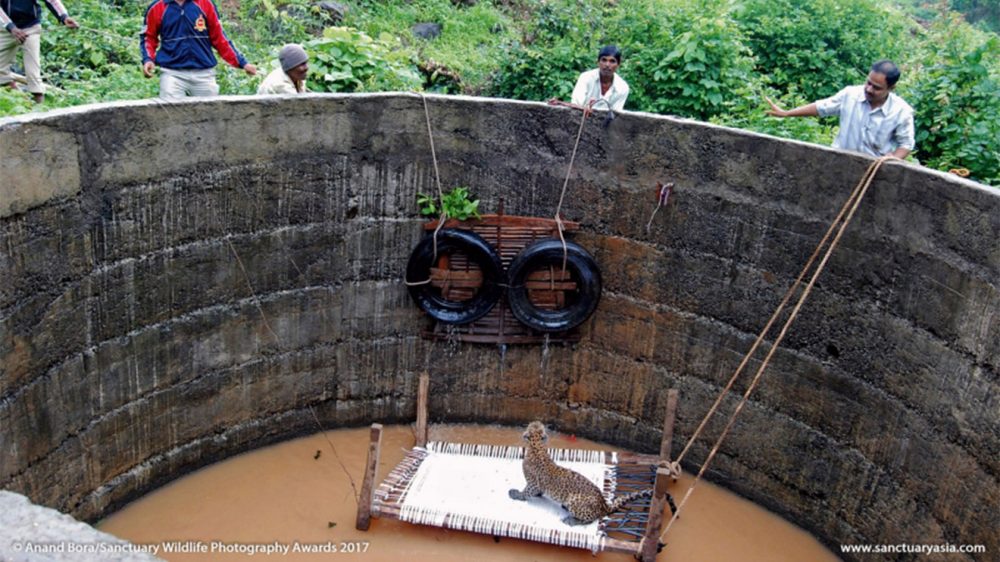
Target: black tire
<point>543,254</point>
<point>479,252</point>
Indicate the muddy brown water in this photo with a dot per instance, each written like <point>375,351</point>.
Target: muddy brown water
<point>301,492</point>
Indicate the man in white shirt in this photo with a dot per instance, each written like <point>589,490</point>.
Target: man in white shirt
<point>601,83</point>
<point>291,77</point>
<point>873,120</point>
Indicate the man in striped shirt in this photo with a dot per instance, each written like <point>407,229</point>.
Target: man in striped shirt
<point>22,23</point>
<point>873,119</point>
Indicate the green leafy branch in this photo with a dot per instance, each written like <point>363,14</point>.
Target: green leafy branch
<point>456,204</point>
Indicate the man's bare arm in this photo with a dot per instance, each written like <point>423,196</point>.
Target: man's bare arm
<point>808,110</point>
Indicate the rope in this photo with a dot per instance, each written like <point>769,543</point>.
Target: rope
<point>263,316</point>
<point>569,171</point>
<point>774,317</point>
<point>447,279</point>
<point>562,196</point>
<point>437,175</point>
<point>661,200</point>
<point>572,159</point>
<point>105,33</point>
<point>850,206</point>
<point>246,277</point>
<point>437,181</point>
<point>335,455</point>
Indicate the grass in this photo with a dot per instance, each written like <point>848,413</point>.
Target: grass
<point>472,39</point>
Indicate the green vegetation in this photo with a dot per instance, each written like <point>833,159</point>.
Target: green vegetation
<point>472,37</point>
<point>957,100</point>
<point>690,60</point>
<point>705,59</point>
<point>98,62</point>
<point>456,204</point>
<point>347,60</point>
<point>817,47</point>
<point>984,14</point>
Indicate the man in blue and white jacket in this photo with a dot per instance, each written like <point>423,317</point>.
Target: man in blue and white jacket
<point>178,36</point>
<point>22,23</point>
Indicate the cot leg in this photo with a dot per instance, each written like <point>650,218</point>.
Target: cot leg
<point>668,424</point>
<point>424,385</point>
<point>650,542</point>
<point>368,487</point>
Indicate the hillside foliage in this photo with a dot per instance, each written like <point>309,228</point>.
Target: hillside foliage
<point>712,60</point>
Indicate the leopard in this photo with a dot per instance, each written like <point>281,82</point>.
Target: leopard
<point>572,490</point>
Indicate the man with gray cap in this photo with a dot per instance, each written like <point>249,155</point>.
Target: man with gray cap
<point>291,77</point>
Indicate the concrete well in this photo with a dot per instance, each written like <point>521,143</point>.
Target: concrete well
<point>185,282</point>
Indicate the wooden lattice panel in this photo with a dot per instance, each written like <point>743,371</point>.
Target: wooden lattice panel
<point>458,280</point>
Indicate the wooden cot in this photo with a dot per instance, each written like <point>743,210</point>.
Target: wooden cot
<point>464,487</point>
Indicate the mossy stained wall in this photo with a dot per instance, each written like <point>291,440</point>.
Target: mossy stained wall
<point>185,282</point>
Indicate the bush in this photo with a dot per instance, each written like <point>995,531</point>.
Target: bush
<point>466,52</point>
<point>821,46</point>
<point>985,12</point>
<point>559,42</point>
<point>748,110</point>
<point>13,102</point>
<point>679,57</point>
<point>955,93</point>
<point>347,60</point>
<point>540,73</point>
<point>106,38</point>
<point>688,58</point>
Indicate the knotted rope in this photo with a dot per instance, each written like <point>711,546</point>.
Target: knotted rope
<point>662,198</point>
<point>849,207</point>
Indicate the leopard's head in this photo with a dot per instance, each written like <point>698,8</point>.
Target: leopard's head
<point>535,433</point>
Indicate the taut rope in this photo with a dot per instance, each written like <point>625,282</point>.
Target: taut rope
<point>849,207</point>
<point>569,171</point>
<point>263,316</point>
<point>562,196</point>
<point>246,277</point>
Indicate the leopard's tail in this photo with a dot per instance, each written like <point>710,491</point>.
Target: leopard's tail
<point>620,501</point>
